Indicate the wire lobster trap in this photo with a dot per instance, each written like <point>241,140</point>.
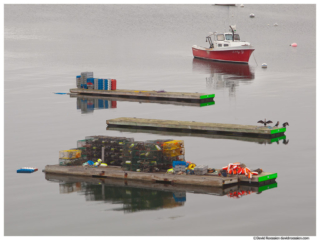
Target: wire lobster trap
<point>69,154</point>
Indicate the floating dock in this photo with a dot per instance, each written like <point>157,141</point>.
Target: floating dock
<point>252,139</point>
<point>118,172</point>
<point>209,179</point>
<point>199,127</point>
<point>128,99</point>
<point>154,95</point>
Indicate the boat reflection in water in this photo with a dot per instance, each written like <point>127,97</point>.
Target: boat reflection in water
<point>224,75</point>
<point>140,195</point>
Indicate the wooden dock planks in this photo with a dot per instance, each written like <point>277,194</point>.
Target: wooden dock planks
<point>118,172</point>
<point>161,95</point>
<point>196,126</point>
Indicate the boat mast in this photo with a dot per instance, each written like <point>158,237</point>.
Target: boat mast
<point>232,33</point>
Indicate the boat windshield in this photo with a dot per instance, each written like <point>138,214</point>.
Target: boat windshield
<point>229,37</point>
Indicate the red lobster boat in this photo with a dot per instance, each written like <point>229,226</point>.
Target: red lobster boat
<point>225,47</point>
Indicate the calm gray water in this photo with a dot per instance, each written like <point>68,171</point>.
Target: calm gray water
<point>149,47</point>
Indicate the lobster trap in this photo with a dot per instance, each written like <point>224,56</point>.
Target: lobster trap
<point>70,154</point>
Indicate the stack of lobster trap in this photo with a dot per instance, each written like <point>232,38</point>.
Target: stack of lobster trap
<point>153,155</point>
<point>148,156</point>
<point>110,149</point>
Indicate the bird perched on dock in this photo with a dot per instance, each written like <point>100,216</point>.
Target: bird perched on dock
<point>277,124</point>
<point>265,122</point>
<point>285,124</point>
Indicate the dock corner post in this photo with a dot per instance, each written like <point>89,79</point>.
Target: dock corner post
<point>102,154</point>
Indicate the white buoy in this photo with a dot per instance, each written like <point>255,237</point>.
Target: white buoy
<point>264,65</point>
<point>241,5</point>
<point>276,24</point>
<point>252,15</point>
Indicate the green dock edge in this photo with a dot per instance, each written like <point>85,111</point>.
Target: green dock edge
<point>268,177</point>
<point>279,130</point>
<point>266,187</point>
<point>206,104</point>
<point>278,138</point>
<point>207,96</point>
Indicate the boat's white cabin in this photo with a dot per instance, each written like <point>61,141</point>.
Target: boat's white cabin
<point>224,40</point>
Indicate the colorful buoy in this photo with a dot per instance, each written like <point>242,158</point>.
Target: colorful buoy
<point>294,45</point>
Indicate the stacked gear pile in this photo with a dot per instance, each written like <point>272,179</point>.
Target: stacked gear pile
<point>153,155</point>
<point>71,157</point>
<point>238,169</point>
<point>87,81</point>
<point>173,151</point>
<point>148,156</point>
<point>92,148</point>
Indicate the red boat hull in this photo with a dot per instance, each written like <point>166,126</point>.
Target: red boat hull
<point>236,55</point>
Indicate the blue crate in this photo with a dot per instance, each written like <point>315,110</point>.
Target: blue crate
<point>177,163</point>
<point>90,80</point>
<point>105,81</point>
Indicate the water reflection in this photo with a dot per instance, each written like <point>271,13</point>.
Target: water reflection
<point>259,140</point>
<point>87,104</point>
<point>140,195</point>
<point>224,75</point>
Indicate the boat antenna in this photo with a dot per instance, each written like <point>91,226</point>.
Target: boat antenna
<point>233,29</point>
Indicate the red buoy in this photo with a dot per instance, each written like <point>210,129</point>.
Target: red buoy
<point>294,45</point>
